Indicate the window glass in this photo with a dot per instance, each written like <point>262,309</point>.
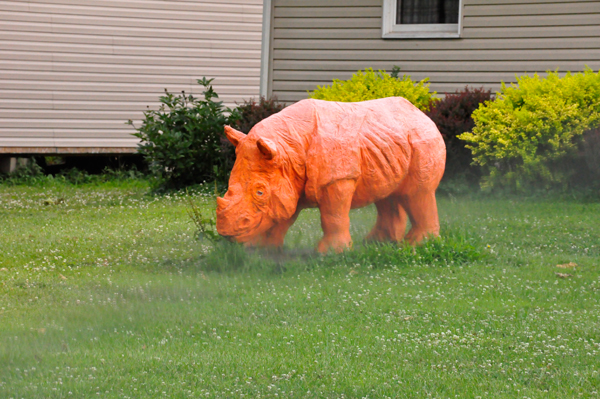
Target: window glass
<point>427,12</point>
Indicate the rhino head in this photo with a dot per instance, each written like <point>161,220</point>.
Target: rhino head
<point>261,191</point>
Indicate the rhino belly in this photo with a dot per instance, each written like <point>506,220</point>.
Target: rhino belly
<point>383,168</point>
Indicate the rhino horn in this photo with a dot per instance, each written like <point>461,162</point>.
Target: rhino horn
<point>234,136</point>
<point>267,148</point>
<point>221,204</point>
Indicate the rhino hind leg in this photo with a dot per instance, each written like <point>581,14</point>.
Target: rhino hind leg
<point>422,210</point>
<point>391,221</point>
<point>417,191</point>
<point>334,206</point>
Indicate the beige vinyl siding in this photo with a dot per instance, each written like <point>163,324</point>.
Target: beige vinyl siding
<point>314,42</point>
<point>72,72</point>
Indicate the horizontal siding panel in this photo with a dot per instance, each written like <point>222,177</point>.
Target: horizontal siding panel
<point>68,40</point>
<point>130,22</point>
<point>449,66</point>
<point>88,52</point>
<point>110,115</point>
<point>106,68</point>
<point>68,133</point>
<point>440,55</point>
<point>320,3</point>
<point>437,44</point>
<point>327,33</point>
<point>104,135</point>
<point>123,11</point>
<point>102,90</point>
<point>26,141</point>
<point>327,23</point>
<point>124,34</point>
<point>54,124</point>
<point>96,142</point>
<point>83,104</point>
<point>221,6</point>
<point>328,12</point>
<point>532,10</point>
<point>572,32</point>
<point>166,81</point>
<point>523,20</point>
<point>519,2</point>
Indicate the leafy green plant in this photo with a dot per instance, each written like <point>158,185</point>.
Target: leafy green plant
<point>528,136</point>
<point>369,85</point>
<point>181,141</point>
<point>205,225</point>
<point>29,173</point>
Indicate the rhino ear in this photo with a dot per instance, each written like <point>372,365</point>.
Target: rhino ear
<point>234,136</point>
<point>267,148</point>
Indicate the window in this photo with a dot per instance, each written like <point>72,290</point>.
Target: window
<point>421,19</point>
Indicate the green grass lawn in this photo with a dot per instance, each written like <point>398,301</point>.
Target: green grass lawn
<point>106,292</point>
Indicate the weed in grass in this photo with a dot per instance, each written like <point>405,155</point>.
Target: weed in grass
<point>205,225</point>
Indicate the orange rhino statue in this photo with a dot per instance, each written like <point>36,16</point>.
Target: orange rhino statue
<point>335,156</point>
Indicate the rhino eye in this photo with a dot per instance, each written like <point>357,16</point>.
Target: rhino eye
<point>259,193</point>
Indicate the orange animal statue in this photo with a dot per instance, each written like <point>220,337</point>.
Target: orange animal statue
<point>335,156</point>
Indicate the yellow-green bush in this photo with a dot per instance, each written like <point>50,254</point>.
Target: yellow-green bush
<point>369,85</point>
<point>529,136</point>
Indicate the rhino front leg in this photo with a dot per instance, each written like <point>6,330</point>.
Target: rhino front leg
<point>334,206</point>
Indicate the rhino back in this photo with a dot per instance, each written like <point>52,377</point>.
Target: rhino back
<point>371,142</point>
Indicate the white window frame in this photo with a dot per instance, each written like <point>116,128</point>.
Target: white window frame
<point>392,30</point>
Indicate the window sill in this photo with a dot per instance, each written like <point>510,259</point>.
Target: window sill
<point>420,35</point>
<point>437,31</point>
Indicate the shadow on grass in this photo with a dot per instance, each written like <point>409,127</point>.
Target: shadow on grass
<point>450,249</point>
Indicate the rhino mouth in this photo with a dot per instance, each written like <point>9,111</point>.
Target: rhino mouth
<point>240,231</point>
<point>249,234</point>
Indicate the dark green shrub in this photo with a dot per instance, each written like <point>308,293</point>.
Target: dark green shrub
<point>530,134</point>
<point>250,113</point>
<point>452,115</point>
<point>28,173</point>
<point>32,174</point>
<point>182,140</point>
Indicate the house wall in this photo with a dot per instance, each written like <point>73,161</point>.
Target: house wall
<point>72,72</point>
<point>315,41</point>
